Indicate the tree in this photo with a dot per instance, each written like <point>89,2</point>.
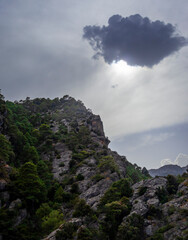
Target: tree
<point>59,195</point>
<point>30,154</point>
<point>52,221</point>
<point>30,186</point>
<point>45,132</point>
<point>172,184</point>
<point>44,173</point>
<point>6,152</point>
<point>116,191</point>
<point>132,229</point>
<point>43,210</point>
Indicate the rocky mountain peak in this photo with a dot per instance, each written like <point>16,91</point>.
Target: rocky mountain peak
<point>60,180</point>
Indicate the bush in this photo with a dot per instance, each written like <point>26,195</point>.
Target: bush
<point>75,188</point>
<point>165,228</point>
<point>154,212</point>
<point>162,195</point>
<point>108,163</point>
<point>6,152</point>
<point>82,209</point>
<point>79,177</point>
<point>43,210</point>
<point>61,164</point>
<point>80,156</point>
<point>132,229</point>
<point>58,197</point>
<point>115,212</point>
<point>172,184</point>
<point>117,190</point>
<point>29,185</point>
<point>52,221</point>
<point>67,232</point>
<point>97,177</point>
<point>72,164</point>
<point>157,236</point>
<point>142,190</point>
<point>84,234</point>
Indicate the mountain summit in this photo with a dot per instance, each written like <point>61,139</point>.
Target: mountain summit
<point>59,180</point>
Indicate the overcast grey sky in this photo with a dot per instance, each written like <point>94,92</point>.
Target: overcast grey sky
<point>143,106</point>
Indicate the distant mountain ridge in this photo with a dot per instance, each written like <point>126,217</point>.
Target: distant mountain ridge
<point>168,169</point>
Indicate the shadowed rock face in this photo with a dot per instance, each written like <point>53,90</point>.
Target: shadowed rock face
<point>168,169</point>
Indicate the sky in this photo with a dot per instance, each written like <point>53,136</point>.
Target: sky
<point>127,60</point>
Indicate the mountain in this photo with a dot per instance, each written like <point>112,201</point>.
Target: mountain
<point>168,169</point>
<point>59,180</point>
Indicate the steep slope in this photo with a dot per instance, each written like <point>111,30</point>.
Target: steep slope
<point>58,177</point>
<point>157,210</point>
<point>54,160</point>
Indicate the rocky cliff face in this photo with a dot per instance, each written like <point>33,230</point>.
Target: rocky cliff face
<point>99,161</point>
<point>149,215</point>
<point>65,180</point>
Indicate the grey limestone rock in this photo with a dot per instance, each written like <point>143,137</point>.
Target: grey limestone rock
<point>15,204</point>
<point>22,214</point>
<point>61,165</point>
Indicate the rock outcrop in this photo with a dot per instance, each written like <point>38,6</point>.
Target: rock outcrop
<point>79,189</point>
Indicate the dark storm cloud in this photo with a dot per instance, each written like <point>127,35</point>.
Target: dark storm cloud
<point>134,39</point>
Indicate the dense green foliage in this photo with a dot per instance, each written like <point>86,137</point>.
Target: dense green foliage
<point>6,152</point>
<point>132,229</point>
<point>25,135</point>
<point>118,190</point>
<point>108,163</point>
<point>37,204</point>
<point>82,209</point>
<point>135,174</point>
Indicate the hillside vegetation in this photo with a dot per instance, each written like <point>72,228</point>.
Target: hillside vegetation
<point>57,173</point>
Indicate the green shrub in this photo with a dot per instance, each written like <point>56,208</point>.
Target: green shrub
<point>142,190</point>
<point>133,173</point>
<point>117,190</point>
<point>75,188</point>
<point>108,163</point>
<point>79,177</point>
<point>80,156</point>
<point>52,221</point>
<point>29,185</point>
<point>58,197</point>
<point>97,177</point>
<point>61,164</point>
<point>72,164</point>
<point>84,234</point>
<point>43,210</point>
<point>115,211</point>
<point>154,212</point>
<point>172,184</point>
<point>132,229</point>
<point>165,228</point>
<point>82,209</point>
<point>171,210</point>
<point>157,236</point>
<point>6,152</point>
<point>162,194</point>
<point>67,180</point>
<point>67,232</point>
